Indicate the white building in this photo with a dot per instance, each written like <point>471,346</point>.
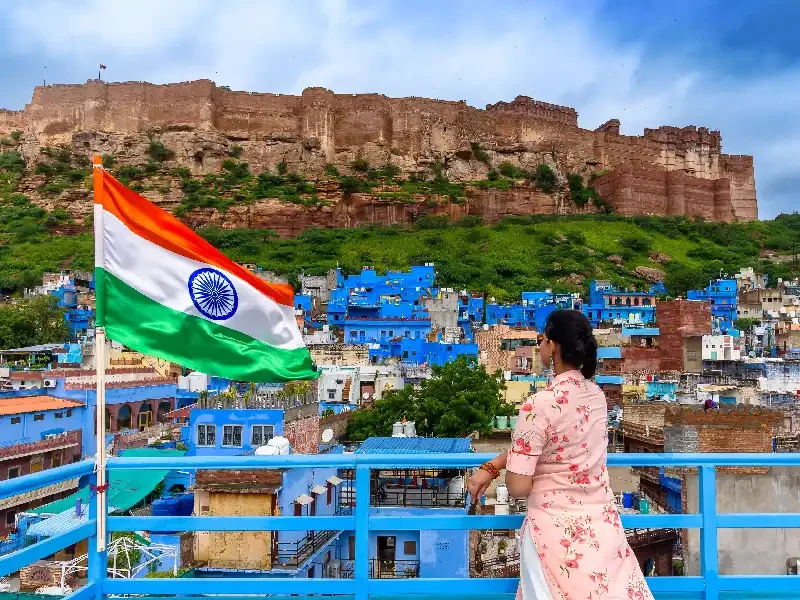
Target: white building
<point>721,347</point>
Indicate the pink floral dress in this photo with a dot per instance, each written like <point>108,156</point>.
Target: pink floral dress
<point>560,439</point>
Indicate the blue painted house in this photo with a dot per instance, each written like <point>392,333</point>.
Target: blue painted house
<point>610,303</point>
<point>723,297</point>
<point>470,313</point>
<point>295,492</point>
<point>232,432</point>
<point>420,352</point>
<point>396,492</point>
<point>379,308</point>
<point>531,312</point>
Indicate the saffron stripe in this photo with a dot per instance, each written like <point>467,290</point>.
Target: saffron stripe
<point>137,321</point>
<point>158,226</point>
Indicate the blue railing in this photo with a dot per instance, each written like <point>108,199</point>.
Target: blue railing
<point>709,584</point>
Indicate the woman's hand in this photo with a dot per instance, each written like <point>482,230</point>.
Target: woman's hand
<point>478,484</point>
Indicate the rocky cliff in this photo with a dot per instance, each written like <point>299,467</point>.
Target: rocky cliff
<point>337,160</point>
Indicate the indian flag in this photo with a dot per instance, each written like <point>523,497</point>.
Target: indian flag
<point>164,291</point>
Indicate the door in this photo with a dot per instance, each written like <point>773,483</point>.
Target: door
<point>386,556</point>
<point>145,420</point>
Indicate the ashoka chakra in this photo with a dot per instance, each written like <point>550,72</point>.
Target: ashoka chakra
<point>213,294</point>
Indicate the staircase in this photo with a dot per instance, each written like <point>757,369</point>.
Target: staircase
<point>346,389</point>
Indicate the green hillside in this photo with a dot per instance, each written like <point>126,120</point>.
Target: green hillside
<point>502,260</point>
<point>523,253</point>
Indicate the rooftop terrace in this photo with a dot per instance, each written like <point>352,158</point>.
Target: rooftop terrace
<point>709,584</point>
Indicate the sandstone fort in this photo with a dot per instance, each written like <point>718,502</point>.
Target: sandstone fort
<point>665,171</point>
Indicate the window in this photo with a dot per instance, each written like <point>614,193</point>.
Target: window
<point>405,353</point>
<point>261,434</point>
<point>39,417</point>
<point>590,314</point>
<point>57,459</point>
<point>13,472</point>
<point>311,572</point>
<point>16,420</point>
<point>351,546</point>
<point>206,435</point>
<point>10,518</point>
<point>69,412</point>
<point>232,436</point>
<point>59,415</point>
<point>331,394</point>
<point>410,548</point>
<point>329,494</point>
<point>37,464</point>
<point>298,509</point>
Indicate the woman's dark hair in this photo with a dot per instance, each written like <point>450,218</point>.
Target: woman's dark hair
<point>572,332</point>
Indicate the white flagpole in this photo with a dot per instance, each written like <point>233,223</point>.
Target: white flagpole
<point>100,367</point>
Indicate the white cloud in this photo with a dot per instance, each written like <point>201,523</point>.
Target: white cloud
<point>477,55</point>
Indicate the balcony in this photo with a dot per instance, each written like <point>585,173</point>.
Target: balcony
<point>704,525</point>
<point>384,569</point>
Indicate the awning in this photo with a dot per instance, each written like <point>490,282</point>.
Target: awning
<point>303,499</point>
<point>334,480</point>
<point>318,489</point>
<point>126,488</point>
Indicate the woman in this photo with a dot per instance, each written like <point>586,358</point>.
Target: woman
<point>573,546</point>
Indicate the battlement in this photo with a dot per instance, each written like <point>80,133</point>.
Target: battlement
<point>538,109</point>
<point>685,137</point>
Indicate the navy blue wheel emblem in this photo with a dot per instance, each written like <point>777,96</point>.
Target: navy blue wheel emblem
<point>213,294</point>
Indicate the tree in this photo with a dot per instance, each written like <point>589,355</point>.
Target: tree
<point>35,321</point>
<point>746,323</point>
<point>459,399</point>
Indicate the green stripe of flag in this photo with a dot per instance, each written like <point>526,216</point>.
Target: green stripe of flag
<point>133,319</point>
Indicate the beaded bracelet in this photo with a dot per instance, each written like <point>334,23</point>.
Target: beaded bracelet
<point>491,469</point>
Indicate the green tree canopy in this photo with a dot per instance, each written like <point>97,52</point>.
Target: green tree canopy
<point>746,323</point>
<point>459,399</point>
<point>30,322</point>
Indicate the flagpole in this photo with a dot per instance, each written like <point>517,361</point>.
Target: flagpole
<point>100,362</point>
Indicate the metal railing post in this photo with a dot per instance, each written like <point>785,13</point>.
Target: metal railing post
<point>709,551</point>
<point>98,560</point>
<point>362,532</point>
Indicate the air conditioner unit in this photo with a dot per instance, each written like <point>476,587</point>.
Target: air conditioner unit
<point>49,383</point>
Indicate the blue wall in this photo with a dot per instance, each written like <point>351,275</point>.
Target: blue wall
<point>220,417</point>
<point>28,430</point>
<point>435,561</point>
<point>724,298</point>
<point>300,481</point>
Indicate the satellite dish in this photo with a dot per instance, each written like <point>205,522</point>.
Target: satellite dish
<point>327,436</point>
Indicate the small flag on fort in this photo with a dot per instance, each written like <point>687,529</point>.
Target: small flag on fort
<point>163,290</point>
<point>102,66</point>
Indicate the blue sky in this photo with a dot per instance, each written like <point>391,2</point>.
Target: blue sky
<point>732,65</point>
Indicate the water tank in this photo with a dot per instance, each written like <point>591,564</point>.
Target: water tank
<point>198,381</point>
<point>397,430</point>
<point>502,494</point>
<point>455,490</point>
<point>185,504</point>
<point>410,429</point>
<point>183,383</point>
<point>281,444</point>
<point>266,451</point>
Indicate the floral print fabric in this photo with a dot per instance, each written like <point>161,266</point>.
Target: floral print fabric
<point>560,440</point>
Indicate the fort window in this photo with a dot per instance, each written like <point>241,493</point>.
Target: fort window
<point>198,159</point>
